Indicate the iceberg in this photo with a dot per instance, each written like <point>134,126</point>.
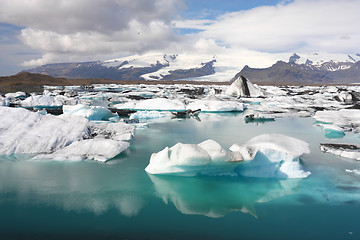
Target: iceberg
<point>90,112</point>
<point>149,115</point>
<point>42,101</point>
<point>272,156</point>
<point>342,149</point>
<point>67,137</point>
<point>348,119</point>
<point>160,104</point>
<point>216,106</point>
<point>242,87</point>
<point>265,156</point>
<point>92,149</point>
<point>206,158</point>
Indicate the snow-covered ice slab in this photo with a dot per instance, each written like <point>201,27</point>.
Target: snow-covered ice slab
<point>161,104</point>
<point>92,149</point>
<point>349,119</point>
<point>89,112</point>
<point>216,106</point>
<point>42,101</point>
<point>149,115</point>
<point>265,156</point>
<point>341,149</point>
<point>68,137</point>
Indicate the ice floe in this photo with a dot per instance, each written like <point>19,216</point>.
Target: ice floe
<point>42,101</point>
<point>272,156</point>
<point>149,115</point>
<point>341,149</point>
<point>89,112</point>
<point>265,156</point>
<point>161,104</point>
<point>64,136</point>
<point>92,149</point>
<point>242,87</point>
<point>348,119</point>
<point>216,106</point>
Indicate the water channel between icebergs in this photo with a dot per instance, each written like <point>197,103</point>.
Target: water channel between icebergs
<point>119,199</point>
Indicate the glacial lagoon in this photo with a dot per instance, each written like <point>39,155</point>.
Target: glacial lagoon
<point>119,200</point>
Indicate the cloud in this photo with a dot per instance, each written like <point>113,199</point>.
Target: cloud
<point>301,25</point>
<point>91,27</point>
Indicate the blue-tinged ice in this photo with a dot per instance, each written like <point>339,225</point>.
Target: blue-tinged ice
<point>265,156</point>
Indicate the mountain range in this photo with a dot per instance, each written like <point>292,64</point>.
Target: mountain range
<point>316,68</point>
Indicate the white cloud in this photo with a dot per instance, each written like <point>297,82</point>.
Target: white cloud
<point>91,27</point>
<point>302,25</point>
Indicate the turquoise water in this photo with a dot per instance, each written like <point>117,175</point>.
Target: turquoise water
<point>119,200</point>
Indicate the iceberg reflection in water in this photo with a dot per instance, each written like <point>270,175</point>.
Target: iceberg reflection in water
<point>217,196</point>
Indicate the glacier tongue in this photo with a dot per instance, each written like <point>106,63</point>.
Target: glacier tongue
<point>265,156</point>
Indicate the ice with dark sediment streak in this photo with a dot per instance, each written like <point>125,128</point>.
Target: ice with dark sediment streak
<point>265,156</point>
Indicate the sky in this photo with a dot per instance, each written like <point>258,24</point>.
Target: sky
<point>38,32</point>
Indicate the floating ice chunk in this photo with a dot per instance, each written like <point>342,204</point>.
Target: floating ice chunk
<point>23,131</point>
<point>345,97</point>
<point>268,156</point>
<point>342,149</point>
<point>242,87</point>
<point>149,115</point>
<point>118,131</point>
<point>89,112</point>
<point>65,137</point>
<point>356,171</point>
<point>207,157</point>
<point>216,106</point>
<point>273,156</point>
<point>16,95</point>
<point>161,104</point>
<point>92,149</point>
<point>42,101</point>
<point>332,131</point>
<point>349,119</point>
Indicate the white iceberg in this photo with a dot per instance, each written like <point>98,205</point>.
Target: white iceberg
<point>68,137</point>
<point>348,119</point>
<point>92,149</point>
<point>265,156</point>
<point>160,104</point>
<point>23,131</point>
<point>242,87</point>
<point>216,106</point>
<point>42,101</point>
<point>149,115</point>
<point>205,158</point>
<point>342,149</point>
<point>272,156</point>
<point>89,112</point>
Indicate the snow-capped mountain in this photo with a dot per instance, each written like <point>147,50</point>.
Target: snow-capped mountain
<point>316,67</point>
<point>309,69</point>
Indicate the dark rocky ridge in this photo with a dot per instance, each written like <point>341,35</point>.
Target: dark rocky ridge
<point>98,70</point>
<point>282,72</point>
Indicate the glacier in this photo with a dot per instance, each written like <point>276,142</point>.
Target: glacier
<point>264,156</point>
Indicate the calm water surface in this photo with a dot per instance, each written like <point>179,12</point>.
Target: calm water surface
<point>119,200</point>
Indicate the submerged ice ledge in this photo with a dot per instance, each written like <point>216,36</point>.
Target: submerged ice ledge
<point>264,156</point>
